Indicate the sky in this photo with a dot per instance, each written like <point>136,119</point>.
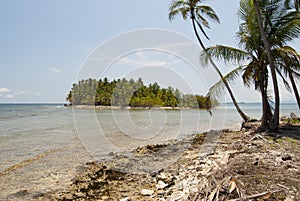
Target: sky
<point>46,44</point>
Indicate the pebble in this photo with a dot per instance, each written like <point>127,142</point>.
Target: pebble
<point>161,185</point>
<point>147,192</point>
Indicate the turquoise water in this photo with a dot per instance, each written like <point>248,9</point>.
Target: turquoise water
<point>30,129</point>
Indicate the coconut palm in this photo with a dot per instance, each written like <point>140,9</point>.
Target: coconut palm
<point>197,12</point>
<point>275,120</point>
<point>280,28</point>
<point>252,67</point>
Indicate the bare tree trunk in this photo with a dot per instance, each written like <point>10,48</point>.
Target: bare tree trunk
<point>239,110</point>
<point>274,124</point>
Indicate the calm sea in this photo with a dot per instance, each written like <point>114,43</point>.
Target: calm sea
<point>29,129</point>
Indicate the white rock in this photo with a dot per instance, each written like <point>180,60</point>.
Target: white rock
<point>175,196</point>
<point>162,176</point>
<point>124,199</point>
<point>147,192</point>
<point>289,199</point>
<point>161,185</point>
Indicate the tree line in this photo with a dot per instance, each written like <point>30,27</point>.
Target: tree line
<point>133,93</point>
<point>266,30</point>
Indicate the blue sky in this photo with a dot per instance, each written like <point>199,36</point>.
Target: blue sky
<point>44,43</point>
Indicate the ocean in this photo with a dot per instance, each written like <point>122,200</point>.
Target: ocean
<point>39,139</point>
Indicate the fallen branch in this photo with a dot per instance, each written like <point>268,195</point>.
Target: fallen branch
<point>258,195</point>
<point>282,186</point>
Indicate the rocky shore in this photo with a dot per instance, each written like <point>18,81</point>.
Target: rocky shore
<point>218,165</point>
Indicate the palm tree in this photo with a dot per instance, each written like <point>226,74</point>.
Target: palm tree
<point>196,11</point>
<point>282,27</point>
<point>253,71</point>
<point>275,120</point>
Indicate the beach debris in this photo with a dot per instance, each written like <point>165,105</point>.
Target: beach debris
<point>235,184</point>
<point>286,157</point>
<point>289,199</point>
<point>294,116</point>
<point>161,185</point>
<point>262,196</point>
<point>147,192</point>
<point>240,167</point>
<point>20,193</point>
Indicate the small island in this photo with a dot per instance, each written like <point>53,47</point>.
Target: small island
<point>133,94</point>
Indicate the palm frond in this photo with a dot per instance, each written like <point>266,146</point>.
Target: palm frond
<point>286,29</point>
<point>207,11</point>
<point>217,89</point>
<point>285,82</point>
<point>178,7</point>
<point>248,75</point>
<point>201,29</point>
<point>177,4</point>
<point>288,61</point>
<point>226,53</point>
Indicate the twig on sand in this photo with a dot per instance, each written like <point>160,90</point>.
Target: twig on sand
<point>258,136</point>
<point>282,186</point>
<point>264,194</point>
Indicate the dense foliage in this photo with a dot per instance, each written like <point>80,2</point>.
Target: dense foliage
<point>123,92</point>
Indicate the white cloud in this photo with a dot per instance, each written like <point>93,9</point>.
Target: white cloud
<point>37,94</point>
<point>2,90</point>
<point>138,63</point>
<point>55,70</point>
<point>9,96</point>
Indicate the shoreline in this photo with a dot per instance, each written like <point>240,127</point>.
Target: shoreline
<point>254,164</point>
<point>102,107</point>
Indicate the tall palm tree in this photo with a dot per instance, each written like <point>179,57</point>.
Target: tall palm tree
<point>281,28</point>
<point>253,68</point>
<point>196,11</point>
<point>275,121</point>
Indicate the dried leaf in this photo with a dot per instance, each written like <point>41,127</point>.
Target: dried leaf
<point>232,185</point>
<point>267,195</point>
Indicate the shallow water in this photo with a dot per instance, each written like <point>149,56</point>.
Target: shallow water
<point>29,129</point>
<point>62,138</point>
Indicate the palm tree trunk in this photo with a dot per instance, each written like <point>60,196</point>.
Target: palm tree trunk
<point>239,110</point>
<point>265,118</point>
<point>266,108</point>
<point>274,124</point>
<point>295,89</point>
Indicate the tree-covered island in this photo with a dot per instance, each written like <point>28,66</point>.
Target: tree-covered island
<point>133,93</point>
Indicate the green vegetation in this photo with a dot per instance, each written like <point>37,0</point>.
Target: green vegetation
<point>265,31</point>
<point>123,92</point>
